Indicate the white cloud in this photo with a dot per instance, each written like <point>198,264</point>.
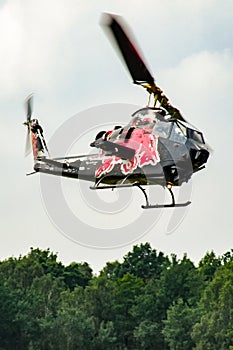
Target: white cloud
<point>201,82</point>
<point>32,35</point>
<point>42,42</point>
<point>11,39</point>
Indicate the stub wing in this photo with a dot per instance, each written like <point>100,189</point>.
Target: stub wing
<point>114,149</point>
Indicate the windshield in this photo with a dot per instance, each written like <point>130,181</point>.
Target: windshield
<point>142,122</point>
<point>148,120</point>
<point>178,134</point>
<point>162,129</point>
<point>196,136</point>
<point>141,113</point>
<point>148,117</point>
<point>143,118</point>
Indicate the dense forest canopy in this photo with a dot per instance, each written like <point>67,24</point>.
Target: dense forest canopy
<point>148,302</point>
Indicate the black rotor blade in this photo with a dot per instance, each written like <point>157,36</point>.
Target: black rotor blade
<point>29,106</point>
<point>28,145</point>
<point>128,49</point>
<point>134,62</point>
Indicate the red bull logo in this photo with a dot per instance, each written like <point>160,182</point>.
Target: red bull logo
<point>146,146</point>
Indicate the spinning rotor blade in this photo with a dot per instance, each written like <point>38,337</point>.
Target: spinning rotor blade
<point>28,107</point>
<point>28,145</point>
<point>134,62</point>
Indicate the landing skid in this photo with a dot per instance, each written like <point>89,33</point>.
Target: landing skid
<point>148,205</point>
<point>156,206</point>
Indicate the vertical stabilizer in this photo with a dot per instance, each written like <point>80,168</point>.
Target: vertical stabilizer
<point>35,139</point>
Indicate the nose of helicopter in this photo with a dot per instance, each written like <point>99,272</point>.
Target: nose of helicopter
<point>199,157</point>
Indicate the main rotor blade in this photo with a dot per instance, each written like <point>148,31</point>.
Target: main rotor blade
<point>128,49</point>
<point>134,62</point>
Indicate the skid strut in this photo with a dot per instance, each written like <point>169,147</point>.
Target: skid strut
<point>148,205</point>
<point>154,206</point>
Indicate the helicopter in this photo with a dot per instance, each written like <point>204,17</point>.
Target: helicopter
<point>157,147</point>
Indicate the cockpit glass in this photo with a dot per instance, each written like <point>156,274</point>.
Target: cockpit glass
<point>142,122</point>
<point>145,112</point>
<point>196,136</point>
<point>178,133</point>
<point>143,118</point>
<point>183,128</point>
<point>162,129</point>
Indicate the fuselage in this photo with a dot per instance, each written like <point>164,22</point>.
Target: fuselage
<point>165,151</point>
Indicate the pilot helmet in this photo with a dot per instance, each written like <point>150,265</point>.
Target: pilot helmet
<point>147,122</point>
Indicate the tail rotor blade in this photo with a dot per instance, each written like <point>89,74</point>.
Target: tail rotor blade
<point>28,145</point>
<point>29,106</point>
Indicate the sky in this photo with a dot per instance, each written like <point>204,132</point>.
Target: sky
<point>58,51</point>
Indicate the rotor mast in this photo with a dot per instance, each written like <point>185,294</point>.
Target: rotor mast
<point>162,99</point>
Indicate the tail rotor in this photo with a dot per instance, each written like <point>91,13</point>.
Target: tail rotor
<point>28,107</point>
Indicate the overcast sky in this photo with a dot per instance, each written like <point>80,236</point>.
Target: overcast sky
<point>58,51</point>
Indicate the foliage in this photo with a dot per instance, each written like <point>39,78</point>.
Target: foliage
<point>215,328</point>
<point>180,320</point>
<point>147,302</point>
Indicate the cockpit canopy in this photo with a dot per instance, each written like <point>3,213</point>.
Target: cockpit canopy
<point>190,132</point>
<point>149,112</point>
<point>165,127</point>
<point>158,122</point>
<point>153,119</point>
<point>149,118</point>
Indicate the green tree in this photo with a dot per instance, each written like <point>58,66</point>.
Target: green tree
<point>127,289</point>
<point>178,326</point>
<point>77,274</point>
<point>144,262</point>
<point>146,302</point>
<point>149,311</point>
<point>106,337</point>
<point>73,328</point>
<point>181,280</point>
<point>8,324</point>
<point>37,310</point>
<point>208,265</point>
<point>148,336</point>
<point>111,270</point>
<point>214,328</point>
<point>20,273</point>
<point>98,299</point>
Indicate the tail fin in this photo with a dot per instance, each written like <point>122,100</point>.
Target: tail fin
<point>35,136</point>
<point>39,147</point>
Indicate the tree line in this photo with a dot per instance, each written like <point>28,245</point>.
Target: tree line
<point>149,301</point>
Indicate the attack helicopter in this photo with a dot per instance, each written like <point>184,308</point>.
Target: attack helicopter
<point>157,147</point>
